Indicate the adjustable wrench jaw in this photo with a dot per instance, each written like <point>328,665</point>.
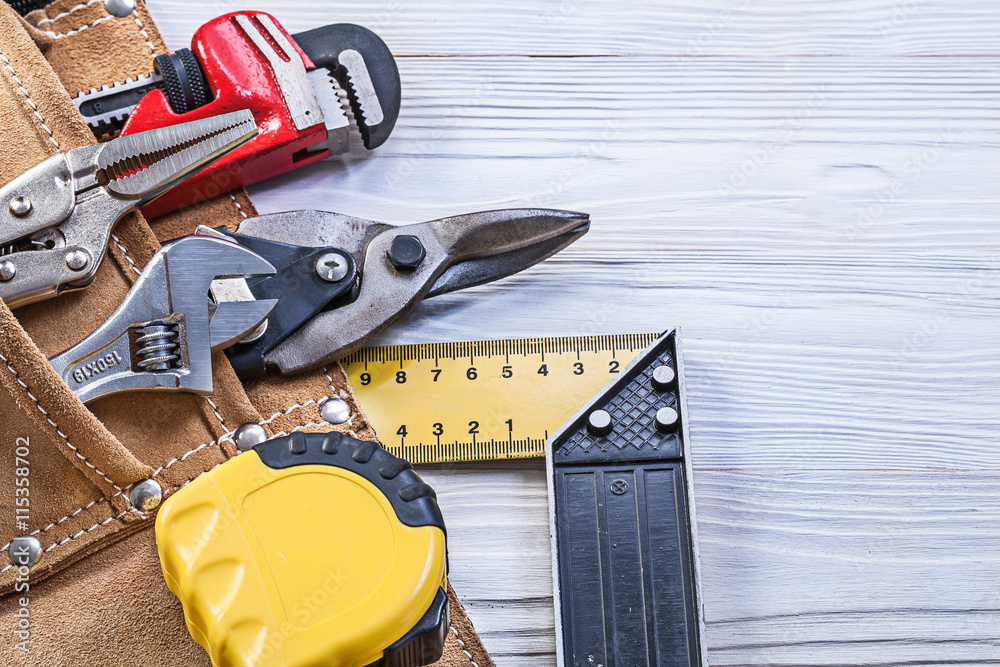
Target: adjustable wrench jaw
<point>162,336</point>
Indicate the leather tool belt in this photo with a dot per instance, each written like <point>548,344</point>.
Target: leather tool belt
<point>97,596</point>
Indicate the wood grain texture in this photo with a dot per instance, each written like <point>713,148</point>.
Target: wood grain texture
<point>636,27</point>
<point>737,154</point>
<point>824,230</point>
<point>798,568</point>
<point>836,281</point>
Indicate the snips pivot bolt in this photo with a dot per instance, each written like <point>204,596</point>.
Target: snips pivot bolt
<point>248,435</point>
<point>335,411</point>
<point>119,8</point>
<point>24,551</point>
<point>332,266</point>
<point>406,252</point>
<point>146,495</point>
<point>328,321</point>
<point>77,260</point>
<point>19,206</point>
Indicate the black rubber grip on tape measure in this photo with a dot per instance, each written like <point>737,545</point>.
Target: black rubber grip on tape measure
<point>414,501</point>
<point>183,80</point>
<point>424,643</point>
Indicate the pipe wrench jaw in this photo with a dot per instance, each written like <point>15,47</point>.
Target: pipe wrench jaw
<point>364,68</point>
<point>250,62</point>
<point>162,336</point>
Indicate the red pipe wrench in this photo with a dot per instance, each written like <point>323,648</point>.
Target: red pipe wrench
<point>246,60</point>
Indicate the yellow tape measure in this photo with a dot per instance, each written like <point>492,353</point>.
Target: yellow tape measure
<point>482,400</point>
<point>312,549</point>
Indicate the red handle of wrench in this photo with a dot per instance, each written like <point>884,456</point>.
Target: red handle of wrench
<point>240,77</point>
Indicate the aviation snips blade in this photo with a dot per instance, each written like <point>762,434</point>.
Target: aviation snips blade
<point>342,280</point>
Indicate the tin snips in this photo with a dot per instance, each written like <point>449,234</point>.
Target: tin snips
<point>293,291</point>
<point>342,280</point>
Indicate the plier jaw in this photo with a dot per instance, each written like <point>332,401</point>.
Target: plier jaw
<point>57,217</point>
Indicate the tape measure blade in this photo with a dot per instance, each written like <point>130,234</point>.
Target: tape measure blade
<point>482,400</point>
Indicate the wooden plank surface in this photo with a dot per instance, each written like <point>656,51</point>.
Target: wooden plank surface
<point>634,27</point>
<point>871,567</point>
<point>824,230</point>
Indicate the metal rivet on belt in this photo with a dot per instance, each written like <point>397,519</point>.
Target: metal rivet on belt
<point>248,435</point>
<point>119,8</point>
<point>335,411</point>
<point>146,495</point>
<point>24,551</point>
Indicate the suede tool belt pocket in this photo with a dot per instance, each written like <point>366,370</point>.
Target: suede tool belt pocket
<point>112,607</point>
<point>84,460</point>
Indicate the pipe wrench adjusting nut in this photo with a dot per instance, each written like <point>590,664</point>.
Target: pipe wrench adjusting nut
<point>311,549</point>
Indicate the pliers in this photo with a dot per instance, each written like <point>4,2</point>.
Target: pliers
<point>56,218</point>
<point>341,280</point>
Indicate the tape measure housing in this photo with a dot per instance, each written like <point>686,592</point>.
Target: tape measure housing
<point>312,549</point>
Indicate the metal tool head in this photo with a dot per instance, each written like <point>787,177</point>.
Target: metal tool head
<point>363,67</point>
<point>399,266</point>
<point>354,72</point>
<point>56,218</point>
<point>162,336</point>
<point>106,109</point>
<point>143,166</point>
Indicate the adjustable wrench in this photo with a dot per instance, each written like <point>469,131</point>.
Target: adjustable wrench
<point>162,336</point>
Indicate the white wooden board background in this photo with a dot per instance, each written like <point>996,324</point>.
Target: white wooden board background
<point>811,190</point>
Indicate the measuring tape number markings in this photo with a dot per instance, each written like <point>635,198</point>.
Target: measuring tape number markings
<point>482,400</point>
